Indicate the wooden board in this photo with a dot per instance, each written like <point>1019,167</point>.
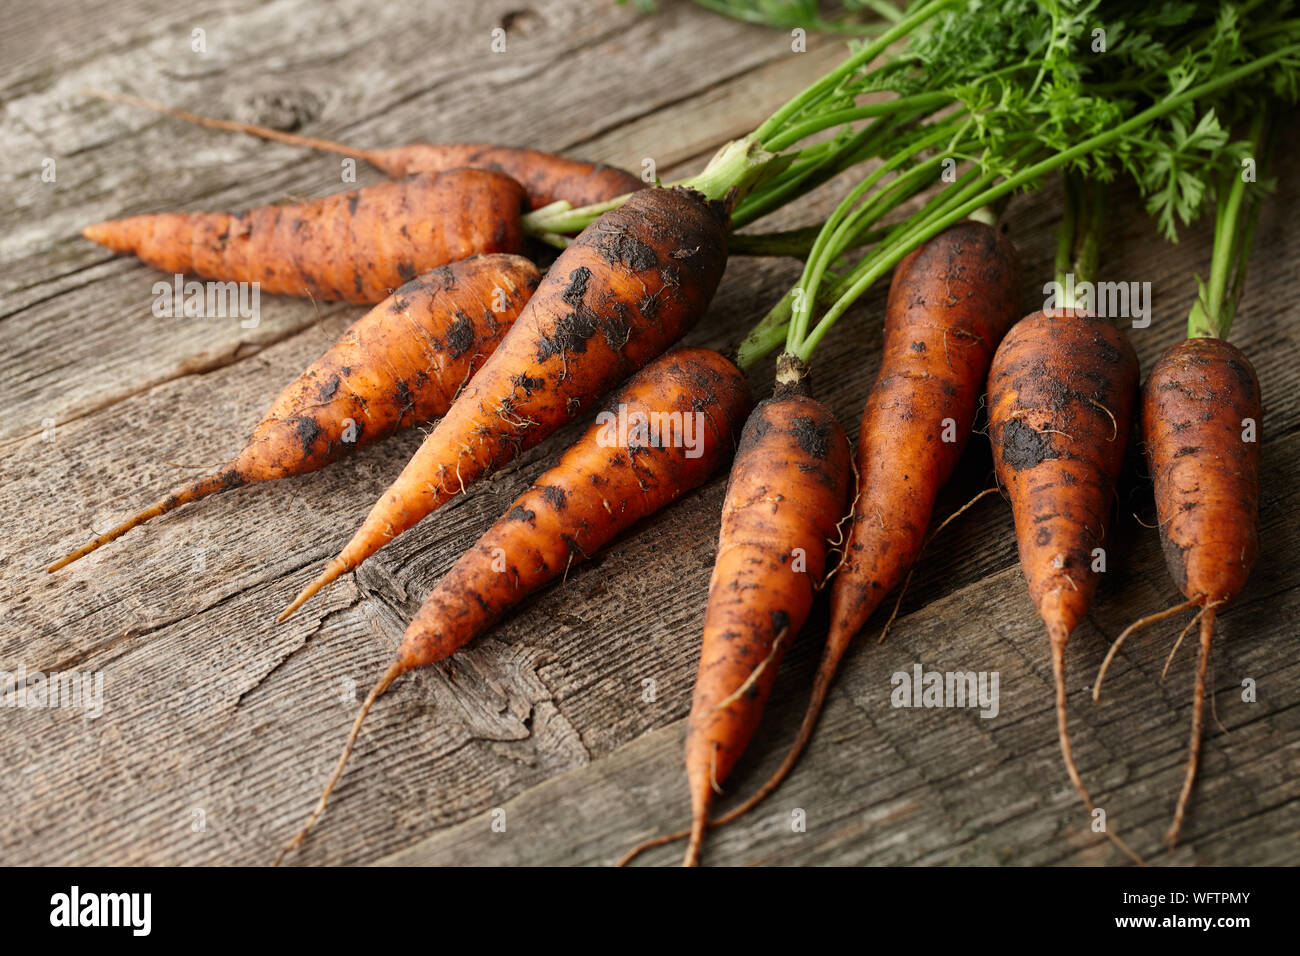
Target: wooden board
<point>218,727</point>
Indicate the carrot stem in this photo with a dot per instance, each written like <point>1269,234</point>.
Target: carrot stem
<point>1234,232</point>
<point>1087,255</point>
<point>815,165</point>
<point>1065,231</point>
<point>926,102</point>
<point>927,223</point>
<point>797,104</point>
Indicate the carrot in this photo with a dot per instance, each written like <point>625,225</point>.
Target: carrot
<point>1201,416</point>
<point>401,363</point>
<point>630,285</point>
<point>547,177</point>
<point>1199,397</point>
<point>356,246</point>
<point>950,302</point>
<point>1061,394</point>
<point>787,494</point>
<point>599,488</point>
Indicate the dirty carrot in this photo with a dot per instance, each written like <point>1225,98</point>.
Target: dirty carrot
<point>628,287</point>
<point>682,414</point>
<point>547,177</point>
<point>1061,393</point>
<point>1201,417</point>
<point>787,495</point>
<point>357,246</point>
<point>950,303</point>
<point>400,364</point>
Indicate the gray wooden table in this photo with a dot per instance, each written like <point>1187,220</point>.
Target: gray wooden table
<point>218,727</point>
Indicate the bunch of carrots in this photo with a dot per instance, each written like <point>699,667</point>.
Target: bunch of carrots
<point>466,333</point>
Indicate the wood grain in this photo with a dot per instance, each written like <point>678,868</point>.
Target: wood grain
<point>215,716</point>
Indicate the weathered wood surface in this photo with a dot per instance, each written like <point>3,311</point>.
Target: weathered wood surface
<point>213,712</point>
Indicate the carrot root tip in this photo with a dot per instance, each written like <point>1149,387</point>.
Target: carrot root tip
<point>395,670</point>
<point>644,845</point>
<point>189,493</point>
<point>1198,724</point>
<point>692,857</point>
<point>335,569</point>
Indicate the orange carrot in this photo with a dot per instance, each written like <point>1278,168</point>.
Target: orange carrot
<point>545,176</point>
<point>599,488</point>
<point>950,304</point>
<point>787,494</point>
<point>1200,418</point>
<point>630,285</point>
<point>357,246</point>
<point>401,363</point>
<point>1061,393</point>
<point>1200,395</point>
